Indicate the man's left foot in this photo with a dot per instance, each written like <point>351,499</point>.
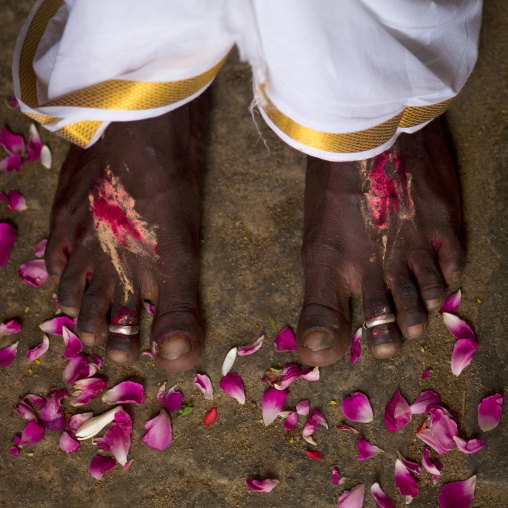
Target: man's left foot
<point>388,228</point>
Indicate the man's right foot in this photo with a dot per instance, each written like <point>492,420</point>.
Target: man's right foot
<point>125,227</point>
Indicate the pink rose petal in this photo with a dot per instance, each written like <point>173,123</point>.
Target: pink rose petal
<point>451,303</point>
<point>24,411</point>
<point>68,444</point>
<point>161,393</point>
<point>261,485</point>
<point>202,381</point>
<point>8,236</point>
<point>12,104</point>
<point>335,476</point>
<point>10,328</point>
<point>252,348</point>
<point>14,451</point>
<point>127,464</point>
<point>290,373</point>
<point>343,426</point>
<point>412,467</point>
<point>101,465</point>
<point>426,373</point>
<point>308,430</point>
<point>13,144</point>
<point>38,351</point>
<point>352,498</point>
<point>11,163</point>
<point>397,413</point>
<point>173,400</point>
<point>291,421</point>
<point>7,354</point>
<point>285,341</point>
<point>457,494</point>
<point>318,416</point>
<point>471,446</point>
<point>424,401</point>
<point>314,454</point>
<point>380,497</point>
<point>150,308</point>
<point>438,431</point>
<point>158,435</point>
<point>76,368</point>
<point>434,468</point>
<point>55,326</point>
<point>310,374</point>
<point>51,414</point>
<point>405,482</point>
<point>210,417</point>
<point>126,392</point>
<point>357,408</point>
<point>356,347</point>
<point>489,412</point>
<point>458,328</point>
<point>34,145</point>
<point>32,433</point>
<point>147,353</point>
<point>77,421</point>
<point>303,407</point>
<point>118,436</point>
<point>232,384</point>
<point>273,403</point>
<point>34,273</point>
<point>462,355</point>
<point>367,450</point>
<point>86,390</point>
<point>16,201</point>
<point>40,249</point>
<point>73,344</point>
<point>35,399</point>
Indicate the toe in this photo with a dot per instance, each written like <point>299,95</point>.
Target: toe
<point>72,286</point>
<point>55,256</point>
<point>452,258</point>
<point>431,284</point>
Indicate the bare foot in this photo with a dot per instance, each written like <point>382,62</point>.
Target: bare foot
<point>125,227</point>
<point>388,228</point>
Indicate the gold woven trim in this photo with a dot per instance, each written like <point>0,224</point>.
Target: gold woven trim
<point>42,119</point>
<point>80,133</point>
<point>415,115</point>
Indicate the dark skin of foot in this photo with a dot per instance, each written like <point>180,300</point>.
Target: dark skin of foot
<point>388,228</point>
<point>125,227</point>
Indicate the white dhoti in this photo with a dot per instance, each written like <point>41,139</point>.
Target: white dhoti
<point>334,79</point>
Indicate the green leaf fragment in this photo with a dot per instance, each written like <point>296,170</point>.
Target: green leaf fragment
<point>185,409</point>
<point>272,322</point>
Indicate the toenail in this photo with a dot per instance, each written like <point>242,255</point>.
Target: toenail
<point>118,356</point>
<point>70,311</point>
<point>415,331</point>
<point>175,345</point>
<point>386,350</point>
<point>88,338</point>
<point>456,276</point>
<point>316,340</point>
<point>433,304</point>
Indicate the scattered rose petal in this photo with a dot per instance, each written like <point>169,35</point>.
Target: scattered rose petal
<point>86,390</point>
<point>14,451</point>
<point>15,201</point>
<point>149,307</point>
<point>93,426</point>
<point>397,413</point>
<point>126,392</point>
<point>101,465</point>
<point>426,373</point>
<point>8,236</point>
<point>352,498</point>
<point>357,408</point>
<point>55,326</point>
<point>161,393</point>
<point>434,468</point>
<point>38,351</point>
<point>367,450</point>
<point>12,104</point>
<point>229,361</point>
<point>489,412</point>
<point>32,433</point>
<point>261,485</point>
<point>127,464</point>
<point>173,400</point>
<point>73,344</point>
<point>290,373</point>
<point>273,403</point>
<point>303,407</point>
<point>40,248</point>
<point>310,374</point>
<point>35,399</point>
<point>335,476</point>
<point>309,428</point>
<point>210,417</point>
<point>285,341</point>
<point>68,444</point>
<point>10,328</point>
<point>51,414</point>
<point>13,144</point>
<point>34,273</point>
<point>424,401</point>
<point>76,422</point>
<point>202,381</point>
<point>405,481</point>
<point>471,446</point>
<point>34,144</point>
<point>24,411</point>
<point>158,435</point>
<point>458,328</point>
<point>356,347</point>
<point>380,497</point>
<point>7,354</point>
<point>76,368</point>
<point>46,157</point>
<point>462,355</point>
<point>412,467</point>
<point>11,163</point>
<point>118,436</point>
<point>318,416</point>
<point>147,353</point>
<point>457,494</point>
<point>233,386</point>
<point>252,348</point>
<point>344,426</point>
<point>314,454</point>
<point>438,430</point>
<point>451,303</point>
<point>291,421</point>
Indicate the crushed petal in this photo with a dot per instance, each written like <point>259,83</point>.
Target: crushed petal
<point>34,144</point>
<point>434,468</point>
<point>86,390</point>
<point>24,411</point>
<point>261,485</point>
<point>438,430</point>
<point>51,414</point>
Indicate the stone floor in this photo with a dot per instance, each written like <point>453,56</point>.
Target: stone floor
<point>251,268</point>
